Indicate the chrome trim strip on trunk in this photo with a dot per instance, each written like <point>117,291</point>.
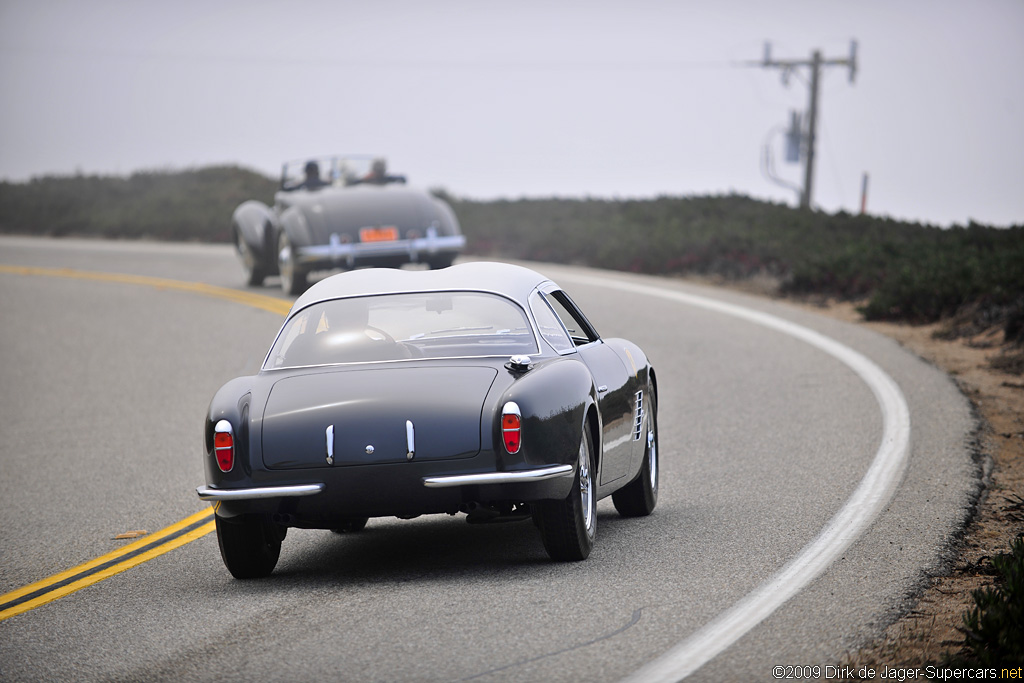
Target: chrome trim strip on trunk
<point>410,440</point>
<point>330,444</point>
<point>499,477</point>
<point>208,493</point>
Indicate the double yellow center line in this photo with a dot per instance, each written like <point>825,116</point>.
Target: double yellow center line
<point>103,567</point>
<point>187,530</point>
<point>261,301</point>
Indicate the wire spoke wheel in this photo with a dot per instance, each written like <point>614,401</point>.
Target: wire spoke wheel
<point>569,527</point>
<point>586,490</point>
<point>255,271</point>
<point>293,278</point>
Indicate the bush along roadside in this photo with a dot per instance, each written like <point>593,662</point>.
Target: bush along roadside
<point>994,628</point>
<point>972,276</point>
<point>190,205</point>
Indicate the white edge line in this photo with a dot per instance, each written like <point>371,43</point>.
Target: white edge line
<point>871,496</point>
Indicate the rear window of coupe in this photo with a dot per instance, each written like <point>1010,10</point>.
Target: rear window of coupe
<point>403,326</point>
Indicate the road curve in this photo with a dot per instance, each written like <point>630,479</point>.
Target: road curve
<point>764,440</point>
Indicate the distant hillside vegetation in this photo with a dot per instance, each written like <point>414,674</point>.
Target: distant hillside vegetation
<point>905,271</point>
<point>972,275</point>
<point>167,205</point>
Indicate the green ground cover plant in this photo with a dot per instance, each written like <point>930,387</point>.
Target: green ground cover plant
<point>994,628</point>
<point>901,271</point>
<point>168,205</point>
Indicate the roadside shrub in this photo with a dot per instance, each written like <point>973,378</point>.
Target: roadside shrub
<point>183,205</point>
<point>902,271</point>
<point>994,628</point>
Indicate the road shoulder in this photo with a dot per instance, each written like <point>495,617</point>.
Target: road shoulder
<point>930,629</point>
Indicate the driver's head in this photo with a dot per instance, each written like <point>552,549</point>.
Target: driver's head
<point>312,170</point>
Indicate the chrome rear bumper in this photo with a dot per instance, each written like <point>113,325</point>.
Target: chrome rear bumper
<point>523,476</point>
<point>440,482</point>
<point>208,493</point>
<point>336,252</point>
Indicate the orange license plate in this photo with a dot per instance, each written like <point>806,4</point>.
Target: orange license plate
<point>388,234</point>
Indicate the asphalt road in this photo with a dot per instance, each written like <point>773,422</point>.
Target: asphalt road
<point>764,438</point>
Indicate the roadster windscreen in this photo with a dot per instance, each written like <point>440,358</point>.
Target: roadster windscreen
<point>403,326</point>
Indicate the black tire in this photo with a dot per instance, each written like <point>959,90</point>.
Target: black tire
<point>249,545</point>
<point>293,277</point>
<point>351,526</point>
<point>638,498</point>
<point>255,269</point>
<point>439,262</point>
<point>569,527</point>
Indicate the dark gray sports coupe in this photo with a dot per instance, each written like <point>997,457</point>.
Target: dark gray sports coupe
<point>342,212</point>
<point>480,388</point>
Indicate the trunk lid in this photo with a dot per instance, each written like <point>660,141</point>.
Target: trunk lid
<point>346,211</point>
<point>368,410</point>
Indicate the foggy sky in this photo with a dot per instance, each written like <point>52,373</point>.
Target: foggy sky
<point>536,99</point>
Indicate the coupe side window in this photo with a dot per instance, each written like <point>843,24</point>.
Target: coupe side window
<point>580,329</point>
<point>550,328</point>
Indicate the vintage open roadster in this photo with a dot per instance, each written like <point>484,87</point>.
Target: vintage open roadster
<point>342,212</point>
<point>478,389</point>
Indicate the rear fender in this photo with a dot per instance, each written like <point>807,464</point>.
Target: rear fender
<point>256,223</point>
<point>231,403</point>
<point>294,223</point>
<point>557,400</point>
<point>445,220</point>
<point>635,361</point>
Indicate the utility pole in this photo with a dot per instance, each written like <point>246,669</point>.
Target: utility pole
<point>815,64</point>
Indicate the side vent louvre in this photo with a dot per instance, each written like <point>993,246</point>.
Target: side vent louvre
<point>638,425</point>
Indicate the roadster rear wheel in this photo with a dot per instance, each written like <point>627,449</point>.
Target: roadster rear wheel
<point>568,527</point>
<point>638,498</point>
<point>249,545</point>
<point>439,262</point>
<point>293,277</point>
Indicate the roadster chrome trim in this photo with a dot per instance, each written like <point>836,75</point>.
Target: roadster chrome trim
<point>210,493</point>
<point>337,252</point>
<point>541,474</point>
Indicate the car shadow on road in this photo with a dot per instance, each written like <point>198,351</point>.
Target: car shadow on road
<point>442,548</point>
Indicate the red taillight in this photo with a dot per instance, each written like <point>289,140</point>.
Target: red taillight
<point>224,445</point>
<point>511,427</point>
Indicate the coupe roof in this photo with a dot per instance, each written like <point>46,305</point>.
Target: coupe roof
<point>515,282</point>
